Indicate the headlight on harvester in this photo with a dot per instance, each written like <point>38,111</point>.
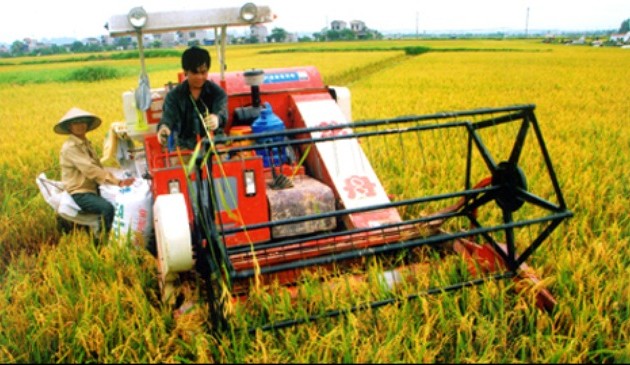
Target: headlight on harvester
<point>137,17</point>
<point>249,12</point>
<point>250,182</point>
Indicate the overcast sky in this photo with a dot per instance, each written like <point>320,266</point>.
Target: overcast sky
<point>46,19</point>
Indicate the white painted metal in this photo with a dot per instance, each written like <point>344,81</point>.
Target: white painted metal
<point>172,233</point>
<point>347,166</point>
<point>343,100</point>
<point>186,20</point>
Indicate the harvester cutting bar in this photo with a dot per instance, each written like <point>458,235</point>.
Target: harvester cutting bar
<point>277,325</point>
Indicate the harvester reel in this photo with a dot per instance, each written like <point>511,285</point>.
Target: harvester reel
<point>511,177</point>
<point>491,243</point>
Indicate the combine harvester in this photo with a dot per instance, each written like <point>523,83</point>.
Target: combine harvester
<point>294,184</point>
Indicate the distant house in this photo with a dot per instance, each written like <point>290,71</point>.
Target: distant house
<point>167,40</point>
<point>581,40</point>
<point>260,32</point>
<point>358,26</point>
<point>193,36</point>
<point>291,37</point>
<point>92,41</point>
<point>620,37</point>
<point>107,40</point>
<point>338,25</point>
<point>30,43</point>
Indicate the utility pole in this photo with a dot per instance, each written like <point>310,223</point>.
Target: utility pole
<point>417,15</point>
<point>527,22</point>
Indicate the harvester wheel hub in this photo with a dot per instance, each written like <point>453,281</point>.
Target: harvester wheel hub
<point>510,178</point>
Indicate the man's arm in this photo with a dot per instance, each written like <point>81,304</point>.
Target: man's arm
<point>219,103</point>
<point>170,117</point>
<point>169,111</point>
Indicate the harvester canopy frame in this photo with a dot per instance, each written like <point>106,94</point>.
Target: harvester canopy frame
<point>189,20</point>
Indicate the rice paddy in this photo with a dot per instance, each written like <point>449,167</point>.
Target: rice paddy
<point>64,301</point>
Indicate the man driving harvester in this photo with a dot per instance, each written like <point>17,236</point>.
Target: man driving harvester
<point>194,103</point>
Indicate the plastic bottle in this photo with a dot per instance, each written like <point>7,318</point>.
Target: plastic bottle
<point>134,117</point>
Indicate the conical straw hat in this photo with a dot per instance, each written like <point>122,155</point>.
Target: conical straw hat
<point>74,115</point>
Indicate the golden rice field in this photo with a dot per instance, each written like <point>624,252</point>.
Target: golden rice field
<point>64,301</point>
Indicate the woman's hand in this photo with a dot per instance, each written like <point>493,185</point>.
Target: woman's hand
<point>126,182</point>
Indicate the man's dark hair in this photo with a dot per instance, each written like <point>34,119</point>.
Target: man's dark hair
<point>194,57</point>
